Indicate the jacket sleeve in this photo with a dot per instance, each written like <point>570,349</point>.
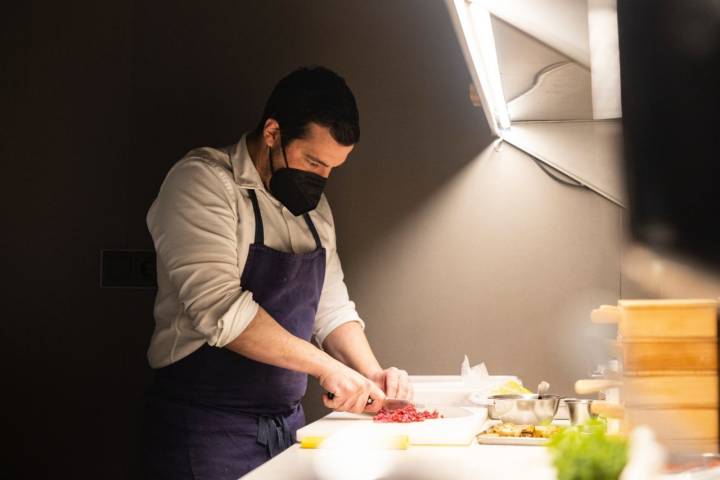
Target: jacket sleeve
<point>193,223</point>
<point>335,307</point>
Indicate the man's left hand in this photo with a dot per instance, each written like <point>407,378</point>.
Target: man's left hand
<point>394,382</point>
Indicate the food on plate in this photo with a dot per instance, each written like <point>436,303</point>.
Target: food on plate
<point>407,414</point>
<point>586,451</point>
<point>521,431</point>
<point>511,387</point>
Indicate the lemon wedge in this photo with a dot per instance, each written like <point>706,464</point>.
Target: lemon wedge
<point>510,387</point>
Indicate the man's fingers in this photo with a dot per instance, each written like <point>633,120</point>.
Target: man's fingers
<point>404,387</point>
<point>392,379</point>
<point>376,393</point>
<point>338,404</point>
<point>373,407</point>
<point>339,401</point>
<point>360,404</point>
<point>352,390</point>
<point>329,403</point>
<point>402,392</point>
<point>348,404</point>
<point>378,397</point>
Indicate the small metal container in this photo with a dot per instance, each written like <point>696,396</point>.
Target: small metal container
<point>526,409</point>
<point>579,410</point>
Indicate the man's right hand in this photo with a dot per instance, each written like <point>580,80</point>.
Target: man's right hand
<point>350,390</point>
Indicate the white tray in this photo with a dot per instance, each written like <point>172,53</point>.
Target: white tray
<point>528,441</point>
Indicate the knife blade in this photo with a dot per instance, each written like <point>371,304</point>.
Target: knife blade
<point>395,404</point>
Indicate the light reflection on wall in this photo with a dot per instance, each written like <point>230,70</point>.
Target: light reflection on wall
<point>500,263</point>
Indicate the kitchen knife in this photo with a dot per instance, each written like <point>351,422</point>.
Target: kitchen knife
<point>388,403</point>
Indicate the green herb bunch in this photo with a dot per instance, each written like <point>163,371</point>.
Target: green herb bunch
<point>586,452</point>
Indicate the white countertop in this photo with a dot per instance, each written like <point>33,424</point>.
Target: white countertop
<point>417,462</point>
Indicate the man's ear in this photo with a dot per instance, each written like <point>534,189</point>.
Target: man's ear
<point>271,132</point>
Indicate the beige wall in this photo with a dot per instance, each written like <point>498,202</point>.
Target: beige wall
<point>497,261</point>
<point>449,246</point>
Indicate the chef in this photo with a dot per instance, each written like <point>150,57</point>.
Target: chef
<point>248,273</point>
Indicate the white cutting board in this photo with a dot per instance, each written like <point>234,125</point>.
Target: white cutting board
<point>458,427</point>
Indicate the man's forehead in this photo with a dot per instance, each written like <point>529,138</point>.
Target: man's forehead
<point>319,144</point>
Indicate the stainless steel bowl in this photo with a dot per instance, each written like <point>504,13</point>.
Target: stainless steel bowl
<point>525,409</point>
<point>579,409</point>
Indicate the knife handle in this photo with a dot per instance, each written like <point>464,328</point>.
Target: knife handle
<point>331,395</point>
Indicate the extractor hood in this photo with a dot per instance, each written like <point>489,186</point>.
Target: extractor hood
<point>547,76</point>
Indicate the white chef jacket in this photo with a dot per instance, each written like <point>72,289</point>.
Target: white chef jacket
<point>202,225</point>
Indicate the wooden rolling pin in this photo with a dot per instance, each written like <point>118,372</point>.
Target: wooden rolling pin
<point>606,314</point>
<point>594,385</point>
<point>607,409</point>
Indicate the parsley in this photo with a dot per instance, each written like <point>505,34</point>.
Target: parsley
<point>586,452</point>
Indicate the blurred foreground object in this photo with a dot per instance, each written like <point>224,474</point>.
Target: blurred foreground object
<point>670,72</point>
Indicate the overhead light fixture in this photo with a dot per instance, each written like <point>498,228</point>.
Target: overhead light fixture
<point>479,50</point>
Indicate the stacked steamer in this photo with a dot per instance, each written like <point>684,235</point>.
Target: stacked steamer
<point>669,355</point>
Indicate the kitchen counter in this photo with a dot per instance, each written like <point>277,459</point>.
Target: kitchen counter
<point>417,462</point>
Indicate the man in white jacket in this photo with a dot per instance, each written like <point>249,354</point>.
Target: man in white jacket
<point>248,273</point>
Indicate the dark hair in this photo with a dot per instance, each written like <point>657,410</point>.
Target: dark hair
<point>313,94</point>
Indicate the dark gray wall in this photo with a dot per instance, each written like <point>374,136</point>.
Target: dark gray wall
<point>104,97</point>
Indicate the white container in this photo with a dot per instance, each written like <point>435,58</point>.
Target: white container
<point>452,390</point>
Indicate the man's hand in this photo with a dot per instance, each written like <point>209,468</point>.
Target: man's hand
<point>348,344</point>
<point>394,382</point>
<point>350,390</point>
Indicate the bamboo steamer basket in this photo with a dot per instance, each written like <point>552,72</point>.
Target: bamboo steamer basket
<point>661,318</point>
<point>645,356</point>
<point>689,424</point>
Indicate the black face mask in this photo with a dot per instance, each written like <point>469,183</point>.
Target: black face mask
<point>298,190</point>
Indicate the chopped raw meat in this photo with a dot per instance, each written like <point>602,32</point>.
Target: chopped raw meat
<point>407,414</point>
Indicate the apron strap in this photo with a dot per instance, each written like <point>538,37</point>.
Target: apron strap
<point>313,230</point>
<point>274,434</point>
<point>259,230</point>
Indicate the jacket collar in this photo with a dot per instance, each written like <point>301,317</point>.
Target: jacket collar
<point>244,171</point>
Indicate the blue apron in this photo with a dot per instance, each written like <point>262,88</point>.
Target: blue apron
<point>216,414</point>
